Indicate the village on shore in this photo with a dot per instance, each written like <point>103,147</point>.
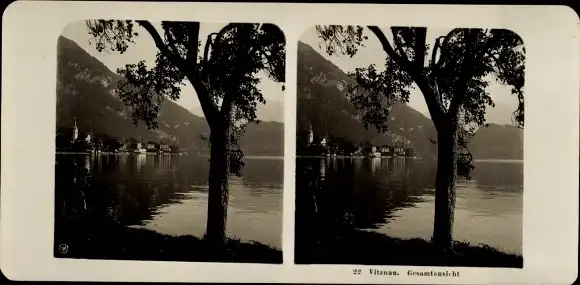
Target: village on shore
<point>339,147</point>
<point>73,142</point>
<point>85,144</point>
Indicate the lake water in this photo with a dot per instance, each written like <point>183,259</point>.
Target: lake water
<point>168,194</point>
<point>396,197</point>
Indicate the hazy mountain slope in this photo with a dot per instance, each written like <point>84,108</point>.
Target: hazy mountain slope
<point>322,103</point>
<point>498,141</point>
<point>86,91</point>
<point>501,114</point>
<point>272,111</point>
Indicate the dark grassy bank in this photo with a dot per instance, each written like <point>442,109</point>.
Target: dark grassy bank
<point>370,248</point>
<point>109,241</point>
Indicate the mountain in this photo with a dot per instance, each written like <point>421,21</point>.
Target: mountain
<point>322,104</point>
<point>196,111</point>
<point>501,114</point>
<point>498,142</point>
<point>272,111</point>
<point>86,92</point>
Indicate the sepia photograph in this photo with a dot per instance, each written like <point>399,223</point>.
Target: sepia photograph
<point>205,142</point>
<point>409,145</point>
<point>169,141</point>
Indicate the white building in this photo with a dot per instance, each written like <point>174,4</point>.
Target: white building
<point>75,132</point>
<point>310,135</point>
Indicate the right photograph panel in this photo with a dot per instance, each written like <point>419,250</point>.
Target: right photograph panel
<point>409,146</point>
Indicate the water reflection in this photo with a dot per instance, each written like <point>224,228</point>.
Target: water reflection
<point>506,174</point>
<point>73,175</point>
<point>343,191</point>
<point>167,194</point>
<point>375,164</point>
<point>396,197</point>
<point>141,161</point>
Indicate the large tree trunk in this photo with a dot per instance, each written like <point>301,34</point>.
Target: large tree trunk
<point>447,143</point>
<point>218,187</point>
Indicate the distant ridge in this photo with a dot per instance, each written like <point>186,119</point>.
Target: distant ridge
<point>322,103</point>
<point>86,91</point>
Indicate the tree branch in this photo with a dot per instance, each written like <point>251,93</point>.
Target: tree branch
<point>192,44</point>
<point>216,43</point>
<point>175,59</point>
<point>207,105</point>
<point>270,64</point>
<point>435,108</point>
<point>208,44</point>
<point>499,65</point>
<point>434,66</point>
<point>387,46</point>
<point>171,39</point>
<point>431,93</point>
<point>398,45</point>
<point>443,47</point>
<point>421,35</point>
<point>267,57</point>
<point>460,86</point>
<point>434,53</point>
<point>231,95</point>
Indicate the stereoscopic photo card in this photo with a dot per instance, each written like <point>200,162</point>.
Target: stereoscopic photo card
<point>149,146</point>
<point>290,143</point>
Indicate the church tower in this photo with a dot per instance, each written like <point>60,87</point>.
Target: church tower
<point>310,135</point>
<point>75,132</point>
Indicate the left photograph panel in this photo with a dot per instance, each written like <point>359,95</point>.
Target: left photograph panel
<point>169,141</point>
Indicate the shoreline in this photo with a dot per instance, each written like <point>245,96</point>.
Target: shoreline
<point>359,156</point>
<point>371,248</point>
<point>271,157</point>
<point>499,160</point>
<point>114,153</point>
<point>116,242</point>
<point>506,160</point>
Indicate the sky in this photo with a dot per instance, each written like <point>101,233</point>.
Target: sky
<point>373,53</point>
<point>145,49</point>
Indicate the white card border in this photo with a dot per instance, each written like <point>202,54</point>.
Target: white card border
<point>30,31</point>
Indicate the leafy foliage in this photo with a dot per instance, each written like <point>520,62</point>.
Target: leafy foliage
<point>225,74</point>
<point>453,81</point>
<point>233,60</point>
<point>341,39</point>
<point>110,35</point>
<point>368,93</point>
<point>145,89</point>
<point>322,104</point>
